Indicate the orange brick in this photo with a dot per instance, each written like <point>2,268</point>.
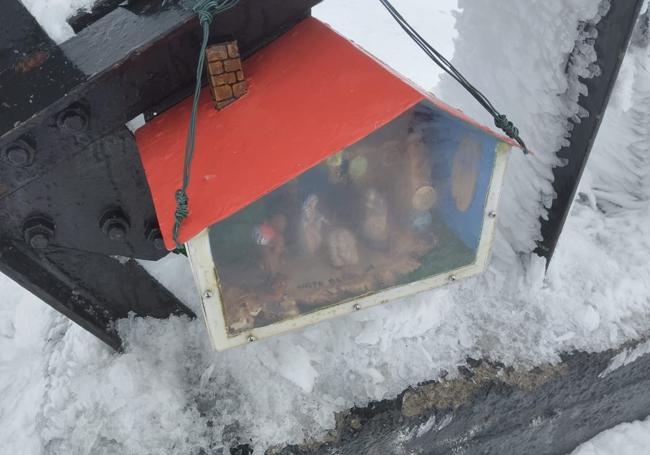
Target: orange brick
<point>223,79</point>
<point>222,92</point>
<point>234,64</point>
<point>233,49</point>
<point>225,73</point>
<point>239,89</point>
<point>216,52</point>
<point>215,68</point>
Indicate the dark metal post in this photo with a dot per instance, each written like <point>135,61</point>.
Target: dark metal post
<point>614,32</point>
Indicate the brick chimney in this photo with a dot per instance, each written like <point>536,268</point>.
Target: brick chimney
<point>225,73</point>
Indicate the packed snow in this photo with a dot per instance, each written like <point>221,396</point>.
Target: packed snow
<point>52,15</point>
<point>624,439</point>
<point>65,392</point>
<point>625,357</point>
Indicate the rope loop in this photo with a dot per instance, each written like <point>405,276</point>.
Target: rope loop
<point>205,17</point>
<point>205,10</point>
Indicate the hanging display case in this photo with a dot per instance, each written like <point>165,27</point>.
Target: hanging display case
<point>333,185</point>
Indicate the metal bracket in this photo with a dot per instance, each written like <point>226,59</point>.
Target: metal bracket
<point>72,188</point>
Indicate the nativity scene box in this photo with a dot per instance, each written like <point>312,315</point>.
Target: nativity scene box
<point>331,186</point>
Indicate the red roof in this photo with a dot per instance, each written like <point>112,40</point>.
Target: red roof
<point>311,94</point>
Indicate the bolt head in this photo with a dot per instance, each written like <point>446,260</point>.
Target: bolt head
<point>73,122</point>
<point>452,278</point>
<point>159,243</point>
<point>207,294</point>
<point>115,225</point>
<point>38,231</point>
<point>17,155</point>
<point>153,235</point>
<point>356,307</point>
<point>251,338</point>
<point>39,241</point>
<point>72,119</point>
<point>492,214</point>
<point>116,232</point>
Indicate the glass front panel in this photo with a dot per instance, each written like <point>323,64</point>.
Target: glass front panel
<point>403,204</point>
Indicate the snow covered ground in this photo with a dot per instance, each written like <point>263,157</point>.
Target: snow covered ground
<point>624,439</point>
<point>62,391</point>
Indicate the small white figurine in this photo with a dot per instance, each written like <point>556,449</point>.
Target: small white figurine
<point>311,224</point>
<point>342,248</point>
<point>375,224</point>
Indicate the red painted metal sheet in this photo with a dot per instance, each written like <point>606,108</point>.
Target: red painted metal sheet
<point>311,94</point>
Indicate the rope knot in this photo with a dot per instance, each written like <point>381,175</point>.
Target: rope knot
<point>182,205</point>
<point>182,210</point>
<point>505,125</point>
<point>207,9</point>
<point>205,17</point>
<point>502,122</point>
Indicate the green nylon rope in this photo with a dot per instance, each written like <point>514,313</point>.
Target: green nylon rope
<point>500,120</point>
<point>205,10</point>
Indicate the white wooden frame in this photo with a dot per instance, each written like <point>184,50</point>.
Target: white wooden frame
<point>207,279</point>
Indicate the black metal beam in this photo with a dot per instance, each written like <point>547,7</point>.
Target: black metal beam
<point>139,58</point>
<point>92,290</point>
<point>132,59</point>
<point>33,70</point>
<point>78,193</point>
<point>72,188</point>
<point>132,63</point>
<point>613,35</point>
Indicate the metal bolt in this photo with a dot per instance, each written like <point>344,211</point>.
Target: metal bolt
<point>19,154</point>
<point>116,232</point>
<point>154,235</point>
<point>207,294</point>
<point>492,214</point>
<point>452,278</point>
<point>39,241</point>
<point>356,307</point>
<point>38,231</point>
<point>251,338</point>
<point>159,243</point>
<point>72,121</point>
<point>74,118</point>
<point>115,225</point>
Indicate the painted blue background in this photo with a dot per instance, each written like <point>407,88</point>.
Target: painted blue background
<point>442,134</point>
